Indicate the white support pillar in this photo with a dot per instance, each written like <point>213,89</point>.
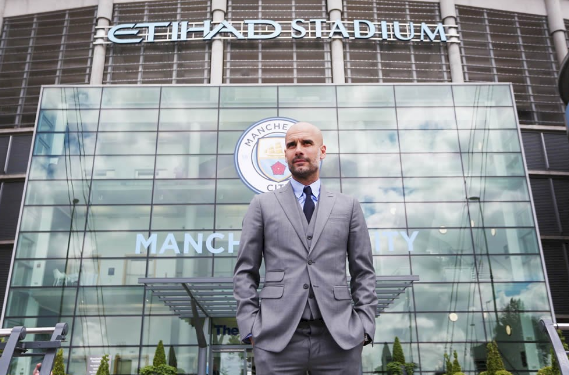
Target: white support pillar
<point>219,9</point>
<point>104,17</point>
<point>448,14</point>
<point>337,44</point>
<point>2,7</point>
<point>556,28</point>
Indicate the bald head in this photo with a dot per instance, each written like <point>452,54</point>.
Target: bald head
<point>304,151</point>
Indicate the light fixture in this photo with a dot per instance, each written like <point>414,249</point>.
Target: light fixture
<point>493,231</point>
<point>443,229</point>
<point>453,317</point>
<point>508,330</point>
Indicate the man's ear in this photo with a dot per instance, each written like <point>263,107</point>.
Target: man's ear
<point>322,152</point>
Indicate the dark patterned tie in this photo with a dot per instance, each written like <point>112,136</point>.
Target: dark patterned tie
<point>308,203</point>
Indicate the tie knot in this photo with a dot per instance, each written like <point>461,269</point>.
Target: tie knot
<point>308,191</point>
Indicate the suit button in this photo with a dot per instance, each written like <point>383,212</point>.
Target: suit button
<point>305,286</point>
<point>309,238</point>
<point>310,262</point>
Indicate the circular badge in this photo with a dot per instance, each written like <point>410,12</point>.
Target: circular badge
<point>260,154</point>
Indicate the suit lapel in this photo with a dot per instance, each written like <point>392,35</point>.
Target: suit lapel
<point>325,204</point>
<point>288,202</point>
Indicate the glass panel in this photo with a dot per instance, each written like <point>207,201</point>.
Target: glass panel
<point>523,326</point>
<point>54,218</point>
<point>225,331</point>
<point>229,216</point>
<point>384,215</point>
<point>426,118</point>
<point>110,300</point>
<point>489,141</point>
<point>323,118</point>
<point>129,120</point>
<point>226,166</point>
<point>432,96</point>
<point>189,97</point>
<point>71,97</point>
<point>501,214</point>
<point>121,192</point>
<point>110,330</point>
<point>488,164</point>
<point>331,141</point>
<point>48,245</point>
<point>123,167</point>
<point>41,301</point>
<point>470,355</point>
<point>428,141</point>
<point>131,97</point>
<point>391,241</point>
<point>374,190</point>
<point>392,265</point>
<point>442,241</point>
<point>112,271</point>
<point>182,217</point>
<point>78,120</point>
<point>365,96</point>
<point>229,362</point>
<point>371,165</point>
<point>60,272</point>
<point>307,96</point>
<point>249,96</point>
<point>61,167</point>
<point>439,327</point>
<point>56,192</point>
<point>437,215</point>
<point>330,166</point>
<point>187,143</point>
<point>180,267</point>
<point>368,142</point>
<point>447,297</point>
<point>40,321</point>
<point>532,296</point>
<point>486,118</point>
<point>188,119</point>
<point>202,243</point>
<point>433,189</point>
<point>431,165</point>
<point>233,191</point>
<point>186,358</point>
<point>241,119</point>
<point>511,240</point>
<point>375,358</point>
<point>498,188</point>
<point>491,95</point>
<point>119,217</point>
<point>184,166</point>
<point>224,267</point>
<point>112,244</point>
<point>65,143</point>
<point>365,119</point>
<point>126,143</point>
<point>510,268</point>
<point>227,142</point>
<point>444,268</point>
<point>171,330</point>
<point>396,325</point>
<point>186,191</point>
<point>123,359</point>
<point>403,303</point>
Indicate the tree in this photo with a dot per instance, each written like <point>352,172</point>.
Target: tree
<point>398,355</point>
<point>160,355</point>
<point>58,365</point>
<point>455,364</point>
<point>172,360</point>
<point>448,364</point>
<point>104,366</point>
<point>554,368</point>
<point>493,360</point>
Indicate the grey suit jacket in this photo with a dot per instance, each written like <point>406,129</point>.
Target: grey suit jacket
<point>272,229</point>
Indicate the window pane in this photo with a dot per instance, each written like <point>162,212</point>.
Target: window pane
<point>184,191</point>
<point>391,241</point>
<point>428,141</point>
<point>426,118</point>
<point>127,97</point>
<point>123,358</point>
<point>229,216</point>
<point>437,215</point>
<point>126,143</point>
<point>129,120</point>
<point>188,119</point>
<point>489,164</point>
<point>438,327</point>
<point>226,166</point>
<point>447,297</point>
<point>498,188</point>
<point>54,218</point>
<point>368,142</point>
<point>71,97</point>
<point>41,301</point>
<point>533,296</point>
<point>427,165</point>
<point>170,329</point>
<point>486,118</point>
<point>233,191</point>
<point>330,166</point>
<point>374,190</point>
<point>501,214</point>
<point>61,167</point>
<point>436,96</point>
<point>112,244</point>
<point>186,357</point>
<point>180,267</point>
<point>468,353</point>
<point>241,119</point>
<point>111,301</point>
<point>110,330</point>
<point>227,142</point>
<point>77,120</point>
<point>442,241</point>
<point>123,167</point>
<point>119,217</point>
<point>365,96</point>
<point>189,97</point>
<point>323,118</point>
<point>434,189</point>
<point>187,143</point>
<point>489,141</point>
<point>121,192</point>
<point>191,244</point>
<point>185,166</point>
<point>61,272</point>
<point>392,265</point>
<point>384,215</point>
<point>48,245</point>
<point>396,325</point>
<point>56,192</point>
<point>182,217</point>
<point>474,95</point>
<point>251,96</point>
<point>370,165</point>
<point>511,240</point>
<point>367,118</point>
<point>510,268</point>
<point>444,268</point>
<point>307,96</point>
<point>65,143</point>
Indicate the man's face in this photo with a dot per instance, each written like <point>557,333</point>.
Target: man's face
<point>304,151</point>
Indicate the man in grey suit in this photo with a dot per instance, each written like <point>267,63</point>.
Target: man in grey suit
<point>303,318</point>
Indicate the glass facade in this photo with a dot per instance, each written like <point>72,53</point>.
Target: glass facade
<point>140,181</point>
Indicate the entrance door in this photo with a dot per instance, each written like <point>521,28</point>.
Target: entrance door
<point>231,361</point>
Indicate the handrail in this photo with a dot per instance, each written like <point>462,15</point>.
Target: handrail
<point>551,328</point>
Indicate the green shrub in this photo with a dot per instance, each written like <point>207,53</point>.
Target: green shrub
<point>395,368</point>
<point>158,370</point>
<point>159,355</point>
<point>172,360</point>
<point>503,372</point>
<point>484,373</point>
<point>410,368</point>
<point>398,355</point>
<point>58,364</point>
<point>448,365</point>
<point>104,366</point>
<point>546,371</point>
<point>456,365</point>
<point>459,373</point>
<point>494,359</point>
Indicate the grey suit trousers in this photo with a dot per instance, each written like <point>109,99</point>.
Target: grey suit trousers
<point>313,349</point>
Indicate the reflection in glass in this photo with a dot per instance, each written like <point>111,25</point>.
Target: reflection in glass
<point>110,300</point>
<point>434,189</point>
<point>180,267</point>
<point>248,96</point>
<point>501,214</point>
<point>437,215</point>
<point>431,165</point>
<point>510,268</point>
<point>384,215</point>
<point>482,95</point>
<point>126,143</point>
<point>330,166</point>
<point>184,191</point>
<point>53,301</point>
<point>189,97</point>
<point>448,268</point>
<point>498,188</point>
<point>486,118</point>
<point>241,119</point>
<point>226,166</point>
<point>401,325</point>
<point>227,141</point>
<point>118,217</point>
<point>77,120</point>
<point>368,142</point>
<point>469,354</point>
<point>371,165</point>
<point>428,141</point>
<point>365,96</point>
<point>60,272</point>
<point>185,166</point>
<point>489,141</point>
<point>121,192</point>
<point>111,244</point>
<point>435,96</point>
<point>387,241</point>
<point>65,143</point>
<point>71,97</point>
<point>49,245</point>
<point>229,216</point>
<point>375,358</point>
<point>57,192</point>
<point>323,118</point>
<point>490,164</point>
<point>307,96</point>
<point>61,167</point>
<point>129,120</point>
<point>447,297</point>
<point>188,119</point>
<point>505,240</point>
<point>367,118</point>
<point>110,330</point>
<point>131,97</point>
<point>187,143</point>
<point>443,241</point>
<point>391,265</point>
<point>374,190</point>
<point>532,295</point>
<point>123,167</point>
<point>186,356</point>
<point>53,218</point>
<point>182,217</point>
<point>438,327</point>
<point>123,359</point>
<point>233,191</point>
<point>426,118</point>
<point>170,329</point>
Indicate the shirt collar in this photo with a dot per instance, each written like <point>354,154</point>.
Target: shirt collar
<point>297,187</point>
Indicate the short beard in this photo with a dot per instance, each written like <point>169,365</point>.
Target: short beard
<point>304,173</point>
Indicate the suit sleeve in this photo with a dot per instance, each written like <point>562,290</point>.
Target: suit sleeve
<point>246,276</point>
<point>361,269</point>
